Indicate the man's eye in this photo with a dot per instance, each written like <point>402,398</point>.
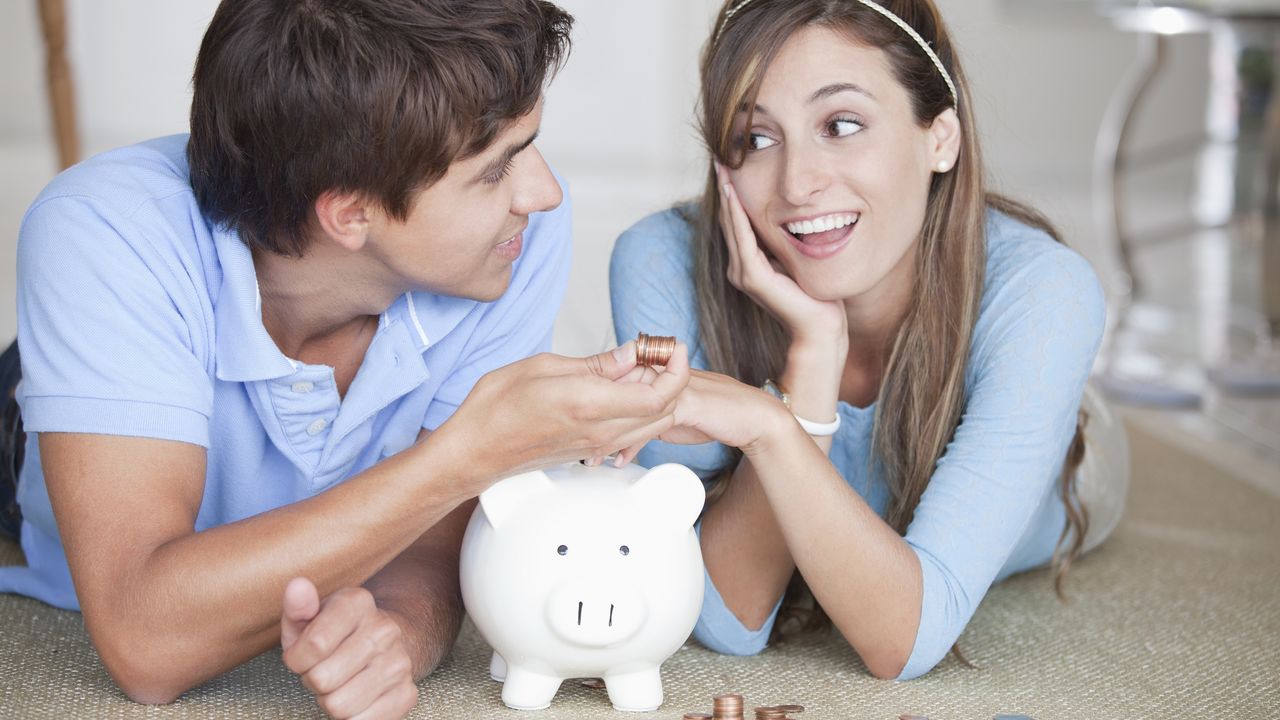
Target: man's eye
<point>499,176</point>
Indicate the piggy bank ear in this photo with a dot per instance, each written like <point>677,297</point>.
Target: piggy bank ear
<point>671,492</point>
<point>505,497</point>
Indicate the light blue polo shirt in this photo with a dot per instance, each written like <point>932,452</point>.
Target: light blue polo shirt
<point>138,317</point>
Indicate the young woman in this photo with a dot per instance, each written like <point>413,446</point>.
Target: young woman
<point>922,345</point>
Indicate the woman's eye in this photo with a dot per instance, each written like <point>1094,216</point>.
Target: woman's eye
<point>843,127</point>
<point>756,141</point>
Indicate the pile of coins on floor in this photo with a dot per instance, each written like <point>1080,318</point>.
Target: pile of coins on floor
<point>654,350</point>
<point>729,707</point>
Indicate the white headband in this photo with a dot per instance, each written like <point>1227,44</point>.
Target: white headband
<point>955,98</point>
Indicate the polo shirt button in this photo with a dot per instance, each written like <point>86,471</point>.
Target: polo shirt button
<point>317,427</point>
<point>303,387</point>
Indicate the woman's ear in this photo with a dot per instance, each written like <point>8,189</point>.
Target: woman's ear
<point>343,217</point>
<point>944,140</point>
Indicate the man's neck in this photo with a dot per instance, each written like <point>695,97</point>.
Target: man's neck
<point>313,306</point>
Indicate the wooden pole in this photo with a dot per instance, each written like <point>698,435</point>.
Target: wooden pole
<point>53,22</point>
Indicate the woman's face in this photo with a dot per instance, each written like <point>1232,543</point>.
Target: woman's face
<point>837,171</point>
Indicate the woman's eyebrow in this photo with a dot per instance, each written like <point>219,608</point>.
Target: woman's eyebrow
<point>837,88</point>
<point>825,91</point>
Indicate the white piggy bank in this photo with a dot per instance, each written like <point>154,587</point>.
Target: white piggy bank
<point>585,572</point>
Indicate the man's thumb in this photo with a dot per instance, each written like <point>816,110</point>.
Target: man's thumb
<point>301,604</point>
<point>615,363</point>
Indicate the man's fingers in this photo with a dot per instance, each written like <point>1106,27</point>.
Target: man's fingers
<point>675,376</point>
<point>362,692</point>
<point>394,703</point>
<point>339,617</point>
<point>640,374</point>
<point>300,605</point>
<point>355,652</point>
<point>612,364</point>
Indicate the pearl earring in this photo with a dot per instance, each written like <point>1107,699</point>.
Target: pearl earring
<point>943,166</point>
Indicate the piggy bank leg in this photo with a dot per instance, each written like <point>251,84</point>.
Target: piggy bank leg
<point>636,691</point>
<point>497,667</point>
<point>527,690</point>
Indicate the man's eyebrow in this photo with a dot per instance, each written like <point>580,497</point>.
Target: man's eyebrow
<point>823,92</point>
<point>501,161</point>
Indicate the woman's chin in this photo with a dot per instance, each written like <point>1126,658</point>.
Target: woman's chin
<point>828,289</point>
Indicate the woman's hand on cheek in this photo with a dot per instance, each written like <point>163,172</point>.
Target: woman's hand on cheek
<point>761,278</point>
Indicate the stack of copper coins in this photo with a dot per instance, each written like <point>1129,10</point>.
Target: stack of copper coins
<point>778,712</point>
<point>727,707</point>
<point>654,350</point>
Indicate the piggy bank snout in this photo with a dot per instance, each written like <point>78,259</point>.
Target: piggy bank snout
<point>596,612</point>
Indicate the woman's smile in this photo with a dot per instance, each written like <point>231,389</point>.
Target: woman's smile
<point>824,236</point>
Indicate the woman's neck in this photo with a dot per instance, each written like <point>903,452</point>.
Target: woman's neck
<point>874,319</point>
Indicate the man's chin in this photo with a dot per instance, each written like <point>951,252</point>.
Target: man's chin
<point>492,292</point>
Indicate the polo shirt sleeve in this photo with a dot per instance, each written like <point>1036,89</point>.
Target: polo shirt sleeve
<point>1031,364</point>
<point>105,345</point>
<point>520,323</point>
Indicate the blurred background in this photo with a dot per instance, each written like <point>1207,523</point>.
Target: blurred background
<point>1055,83</point>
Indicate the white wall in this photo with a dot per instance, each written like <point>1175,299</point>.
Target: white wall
<point>619,118</point>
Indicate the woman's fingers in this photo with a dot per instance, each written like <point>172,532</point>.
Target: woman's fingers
<point>752,262</point>
<point>727,226</point>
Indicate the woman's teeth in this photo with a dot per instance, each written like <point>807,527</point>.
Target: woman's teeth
<point>822,224</point>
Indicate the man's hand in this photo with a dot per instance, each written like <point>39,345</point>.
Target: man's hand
<point>550,409</point>
<point>350,654</point>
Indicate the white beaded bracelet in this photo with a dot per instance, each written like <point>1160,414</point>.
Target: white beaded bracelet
<point>815,429</point>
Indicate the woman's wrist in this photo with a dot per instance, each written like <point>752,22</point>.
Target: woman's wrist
<point>812,378</point>
<point>775,423</point>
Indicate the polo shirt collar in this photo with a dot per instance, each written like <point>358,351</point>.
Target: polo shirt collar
<point>245,352</point>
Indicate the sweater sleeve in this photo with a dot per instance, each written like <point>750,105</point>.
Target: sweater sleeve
<point>652,291</point>
<point>1032,353</point>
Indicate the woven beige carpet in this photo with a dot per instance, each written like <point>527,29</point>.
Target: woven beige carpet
<point>1176,616</point>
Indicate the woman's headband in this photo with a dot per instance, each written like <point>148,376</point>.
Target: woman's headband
<point>955,98</point>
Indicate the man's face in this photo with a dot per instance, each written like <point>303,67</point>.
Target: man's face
<point>464,232</point>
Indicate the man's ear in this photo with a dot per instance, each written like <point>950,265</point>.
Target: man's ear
<point>344,218</point>
<point>944,140</point>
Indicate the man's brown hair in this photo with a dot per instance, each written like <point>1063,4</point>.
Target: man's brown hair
<point>293,98</point>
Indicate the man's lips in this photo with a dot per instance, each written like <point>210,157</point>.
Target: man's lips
<point>511,248</point>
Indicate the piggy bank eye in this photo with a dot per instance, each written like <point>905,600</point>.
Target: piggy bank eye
<point>563,549</point>
<point>624,550</point>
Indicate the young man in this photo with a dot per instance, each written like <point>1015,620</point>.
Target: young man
<point>268,368</point>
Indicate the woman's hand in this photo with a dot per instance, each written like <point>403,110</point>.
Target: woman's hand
<point>717,407</point>
<point>761,278</point>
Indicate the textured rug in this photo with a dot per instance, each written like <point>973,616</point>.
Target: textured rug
<point>1176,616</point>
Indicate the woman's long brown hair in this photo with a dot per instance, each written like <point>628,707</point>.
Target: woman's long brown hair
<point>922,395</point>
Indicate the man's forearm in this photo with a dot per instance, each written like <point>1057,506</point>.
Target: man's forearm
<point>200,603</point>
<point>420,590</point>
